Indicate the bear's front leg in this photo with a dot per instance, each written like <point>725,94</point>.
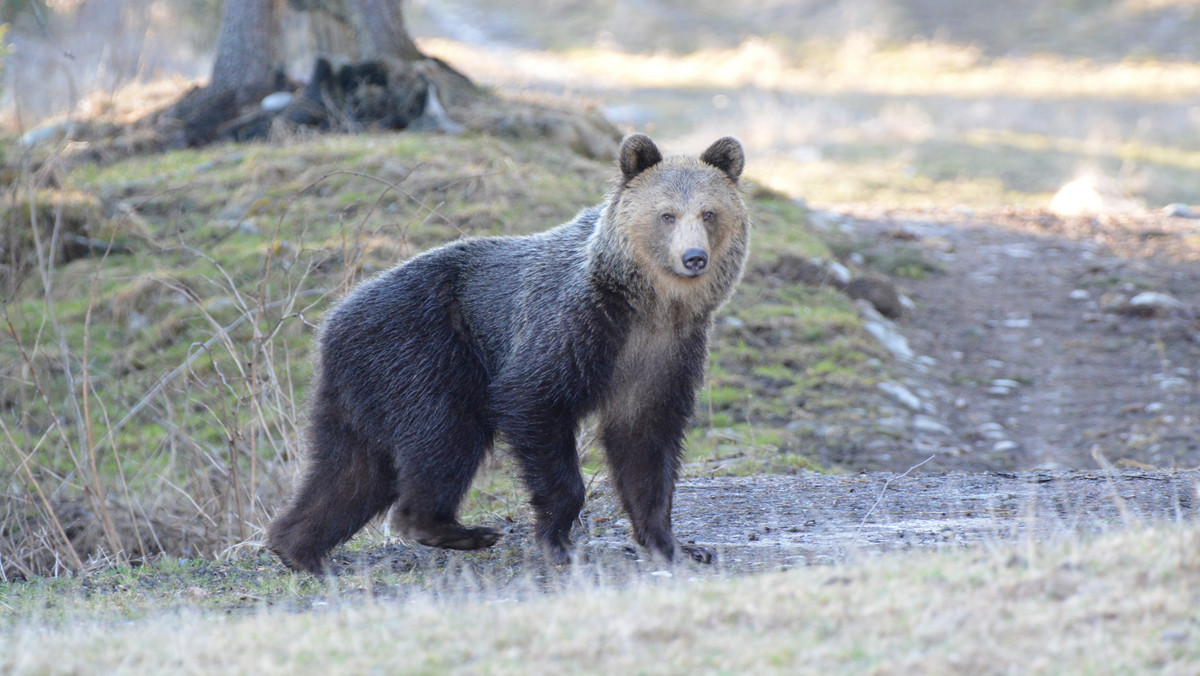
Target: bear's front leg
<point>550,468</point>
<point>644,455</point>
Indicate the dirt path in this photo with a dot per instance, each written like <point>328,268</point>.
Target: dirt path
<point>1067,407</point>
<point>1041,360</point>
<point>815,519</point>
<point>761,523</point>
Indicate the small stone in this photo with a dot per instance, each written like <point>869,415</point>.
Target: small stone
<point>1155,299</point>
<point>999,391</point>
<point>1080,294</point>
<point>839,272</point>
<point>901,395</point>
<point>922,423</point>
<point>1006,383</point>
<point>1180,210</point>
<point>992,431</point>
<point>881,293</point>
<point>274,103</point>
<point>1174,635</point>
<point>1093,196</point>
<point>1155,407</point>
<point>1005,446</point>
<point>891,339</point>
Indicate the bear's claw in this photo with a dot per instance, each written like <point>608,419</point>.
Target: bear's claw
<point>698,553</point>
<point>460,537</point>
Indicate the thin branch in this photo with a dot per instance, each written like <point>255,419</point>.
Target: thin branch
<point>884,490</point>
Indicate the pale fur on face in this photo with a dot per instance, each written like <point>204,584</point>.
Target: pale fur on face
<point>678,205</point>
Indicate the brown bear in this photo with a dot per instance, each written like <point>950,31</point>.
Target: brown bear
<point>423,367</point>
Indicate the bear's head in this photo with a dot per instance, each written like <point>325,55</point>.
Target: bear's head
<point>683,217</point>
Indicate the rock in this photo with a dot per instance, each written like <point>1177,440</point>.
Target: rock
<point>879,291</point>
<point>923,423</point>
<point>47,132</point>
<point>434,118</point>
<point>1080,295</point>
<point>901,394</point>
<point>884,331</point>
<point>1146,304</point>
<point>1093,196</point>
<point>1156,300</point>
<point>891,339</point>
<point>840,273</point>
<point>1180,210</point>
<point>813,272</point>
<point>992,431</point>
<point>277,102</point>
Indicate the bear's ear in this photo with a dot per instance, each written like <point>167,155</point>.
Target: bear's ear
<point>726,154</point>
<point>638,153</point>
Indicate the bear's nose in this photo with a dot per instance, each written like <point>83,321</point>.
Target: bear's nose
<point>695,259</point>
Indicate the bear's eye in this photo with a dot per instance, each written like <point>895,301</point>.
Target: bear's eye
<point>708,216</point>
<point>669,219</point>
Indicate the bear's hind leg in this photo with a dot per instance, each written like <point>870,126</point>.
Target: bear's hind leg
<point>433,481</point>
<point>347,483</point>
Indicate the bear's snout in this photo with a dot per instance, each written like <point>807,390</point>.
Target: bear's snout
<point>695,260</point>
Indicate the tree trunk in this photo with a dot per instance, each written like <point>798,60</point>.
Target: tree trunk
<point>381,22</point>
<point>365,29</point>
<point>247,50</point>
<point>389,83</point>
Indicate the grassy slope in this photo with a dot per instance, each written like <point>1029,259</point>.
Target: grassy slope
<point>1122,603</point>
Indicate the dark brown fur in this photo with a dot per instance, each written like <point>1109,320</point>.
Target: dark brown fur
<point>424,366</point>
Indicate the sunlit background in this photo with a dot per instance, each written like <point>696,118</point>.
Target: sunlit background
<point>908,102</point>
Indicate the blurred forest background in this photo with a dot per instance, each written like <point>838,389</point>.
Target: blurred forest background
<point>966,102</point>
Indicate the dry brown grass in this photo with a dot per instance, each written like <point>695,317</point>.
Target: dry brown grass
<point>86,485</point>
<point>1121,603</point>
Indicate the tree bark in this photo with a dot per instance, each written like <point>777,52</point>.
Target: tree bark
<point>382,23</point>
<point>247,49</point>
